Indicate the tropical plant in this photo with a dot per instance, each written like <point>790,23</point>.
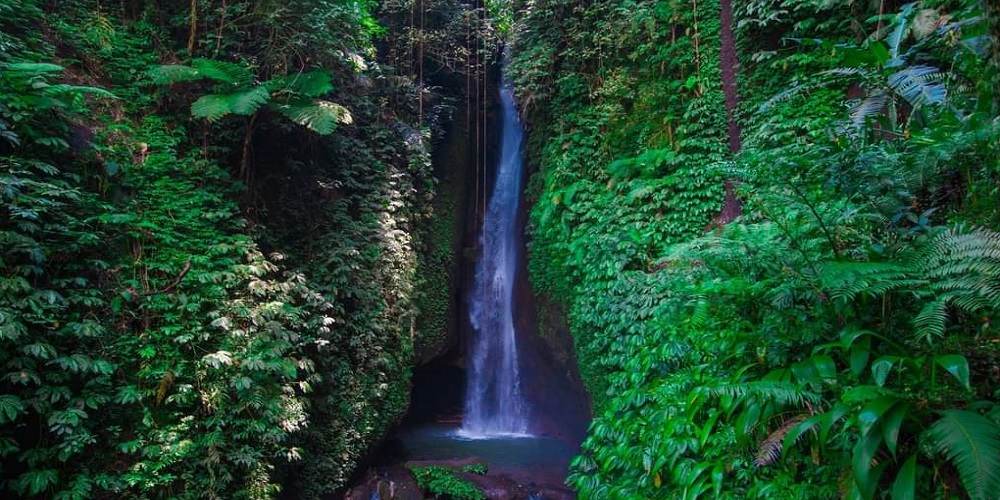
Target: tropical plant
<point>294,96</point>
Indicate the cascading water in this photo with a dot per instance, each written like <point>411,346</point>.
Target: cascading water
<point>494,404</point>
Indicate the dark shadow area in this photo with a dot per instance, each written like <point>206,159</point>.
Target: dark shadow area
<point>438,394</point>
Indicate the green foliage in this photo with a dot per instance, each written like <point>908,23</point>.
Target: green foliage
<point>148,346</point>
<point>292,96</point>
<point>479,469</point>
<point>442,483</point>
<point>972,443</point>
<point>825,344</point>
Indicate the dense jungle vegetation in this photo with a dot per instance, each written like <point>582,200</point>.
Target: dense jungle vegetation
<point>772,226</point>
<point>782,275</point>
<point>218,230</point>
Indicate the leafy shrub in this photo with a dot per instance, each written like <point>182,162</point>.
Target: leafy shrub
<point>444,484</point>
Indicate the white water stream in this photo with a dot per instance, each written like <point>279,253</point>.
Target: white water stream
<point>494,404</point>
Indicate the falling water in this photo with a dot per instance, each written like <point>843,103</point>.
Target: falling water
<point>494,404</point>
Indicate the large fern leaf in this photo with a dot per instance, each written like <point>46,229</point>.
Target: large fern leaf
<point>249,101</point>
<point>972,444</point>
<point>321,117</point>
<point>173,73</point>
<point>223,71</point>
<point>215,106</point>
<point>201,69</point>
<point>309,84</point>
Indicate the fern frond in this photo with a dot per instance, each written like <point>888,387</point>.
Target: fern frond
<point>173,73</point>
<point>770,448</point>
<point>919,85</point>
<point>309,84</point>
<point>782,393</point>
<point>223,71</point>
<point>972,444</point>
<point>248,102</point>
<point>930,321</point>
<point>59,90</point>
<point>849,279</point>
<point>214,106</point>
<point>200,69</point>
<point>321,117</point>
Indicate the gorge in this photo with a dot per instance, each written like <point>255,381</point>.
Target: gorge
<point>468,249</point>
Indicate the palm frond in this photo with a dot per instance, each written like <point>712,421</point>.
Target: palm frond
<point>971,443</point>
<point>868,107</point>
<point>919,85</point>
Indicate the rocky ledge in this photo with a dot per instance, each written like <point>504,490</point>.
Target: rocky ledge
<point>469,477</point>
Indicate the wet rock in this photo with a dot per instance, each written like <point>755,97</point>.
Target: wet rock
<point>496,487</point>
<point>554,492</point>
<point>391,483</point>
<point>402,484</point>
<point>360,492</point>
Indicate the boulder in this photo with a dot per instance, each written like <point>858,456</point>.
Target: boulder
<point>402,484</point>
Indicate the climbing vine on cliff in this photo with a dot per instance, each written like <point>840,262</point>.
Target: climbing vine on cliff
<point>190,308</point>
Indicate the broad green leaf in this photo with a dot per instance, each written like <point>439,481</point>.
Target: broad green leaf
<point>33,67</point>
<point>35,482</point>
<point>880,52</point>
<point>881,368</point>
<point>873,411</point>
<point>859,354</point>
<point>866,476</point>
<point>825,366</point>
<point>905,485</point>
<point>10,407</point>
<point>956,365</point>
<point>891,424</point>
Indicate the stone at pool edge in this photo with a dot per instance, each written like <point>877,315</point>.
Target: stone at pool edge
<point>496,487</point>
<point>404,485</point>
<point>396,479</point>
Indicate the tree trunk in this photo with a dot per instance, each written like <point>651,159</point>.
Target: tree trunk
<point>732,207</point>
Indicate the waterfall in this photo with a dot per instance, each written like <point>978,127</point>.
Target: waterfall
<point>494,404</point>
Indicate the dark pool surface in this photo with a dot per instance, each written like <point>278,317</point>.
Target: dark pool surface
<point>525,458</point>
